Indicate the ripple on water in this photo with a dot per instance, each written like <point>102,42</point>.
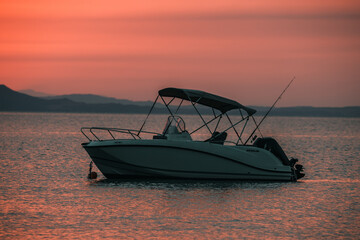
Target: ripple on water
<point>44,192</point>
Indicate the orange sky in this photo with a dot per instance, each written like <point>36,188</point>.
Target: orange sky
<point>245,50</point>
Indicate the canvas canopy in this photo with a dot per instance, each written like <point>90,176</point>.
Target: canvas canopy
<point>220,103</point>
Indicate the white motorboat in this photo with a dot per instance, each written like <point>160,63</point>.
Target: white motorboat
<point>173,153</point>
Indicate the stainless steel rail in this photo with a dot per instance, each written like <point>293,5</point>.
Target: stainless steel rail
<point>134,133</point>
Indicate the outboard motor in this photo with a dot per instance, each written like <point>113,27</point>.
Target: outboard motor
<point>273,146</point>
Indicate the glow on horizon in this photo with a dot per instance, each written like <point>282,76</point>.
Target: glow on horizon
<point>245,50</point>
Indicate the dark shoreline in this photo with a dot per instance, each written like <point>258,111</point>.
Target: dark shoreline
<point>12,101</point>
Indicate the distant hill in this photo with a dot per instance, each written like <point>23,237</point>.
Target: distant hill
<point>93,99</point>
<point>15,101</point>
<point>35,93</point>
<point>317,111</point>
<point>11,100</point>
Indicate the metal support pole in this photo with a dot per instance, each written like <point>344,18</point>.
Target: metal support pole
<point>152,107</point>
<point>217,124</point>
<point>206,123</point>
<point>182,100</point>
<point>167,104</point>
<point>242,131</point>
<point>201,118</point>
<point>233,126</point>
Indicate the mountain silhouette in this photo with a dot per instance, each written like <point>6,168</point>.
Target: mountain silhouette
<point>35,93</point>
<point>93,99</point>
<point>13,101</point>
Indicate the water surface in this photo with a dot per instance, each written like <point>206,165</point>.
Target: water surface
<point>44,192</point>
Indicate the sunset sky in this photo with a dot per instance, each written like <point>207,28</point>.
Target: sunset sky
<point>244,50</point>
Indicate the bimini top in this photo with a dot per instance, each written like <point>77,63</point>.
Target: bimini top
<point>220,103</point>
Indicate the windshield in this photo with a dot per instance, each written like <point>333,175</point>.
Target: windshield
<point>174,124</point>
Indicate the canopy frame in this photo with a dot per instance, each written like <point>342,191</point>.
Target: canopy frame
<point>223,105</point>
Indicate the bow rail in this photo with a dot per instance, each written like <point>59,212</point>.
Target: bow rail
<point>89,131</point>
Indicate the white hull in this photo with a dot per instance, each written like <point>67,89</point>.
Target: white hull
<point>185,159</point>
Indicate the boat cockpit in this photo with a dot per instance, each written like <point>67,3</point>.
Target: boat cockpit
<point>174,130</point>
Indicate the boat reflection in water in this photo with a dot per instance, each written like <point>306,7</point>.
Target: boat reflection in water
<point>173,153</point>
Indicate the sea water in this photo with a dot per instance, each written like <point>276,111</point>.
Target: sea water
<point>45,193</point>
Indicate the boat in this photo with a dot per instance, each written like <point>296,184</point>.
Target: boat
<point>173,153</point>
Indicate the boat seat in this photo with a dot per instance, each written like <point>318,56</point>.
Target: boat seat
<point>160,136</point>
<point>218,138</point>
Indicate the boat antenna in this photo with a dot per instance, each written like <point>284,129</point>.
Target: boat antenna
<point>267,113</point>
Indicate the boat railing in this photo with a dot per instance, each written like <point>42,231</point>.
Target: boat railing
<point>90,134</point>
<point>111,132</point>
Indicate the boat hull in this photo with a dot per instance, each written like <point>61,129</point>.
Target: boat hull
<point>185,159</point>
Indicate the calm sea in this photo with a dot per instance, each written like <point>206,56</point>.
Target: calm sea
<point>44,192</point>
